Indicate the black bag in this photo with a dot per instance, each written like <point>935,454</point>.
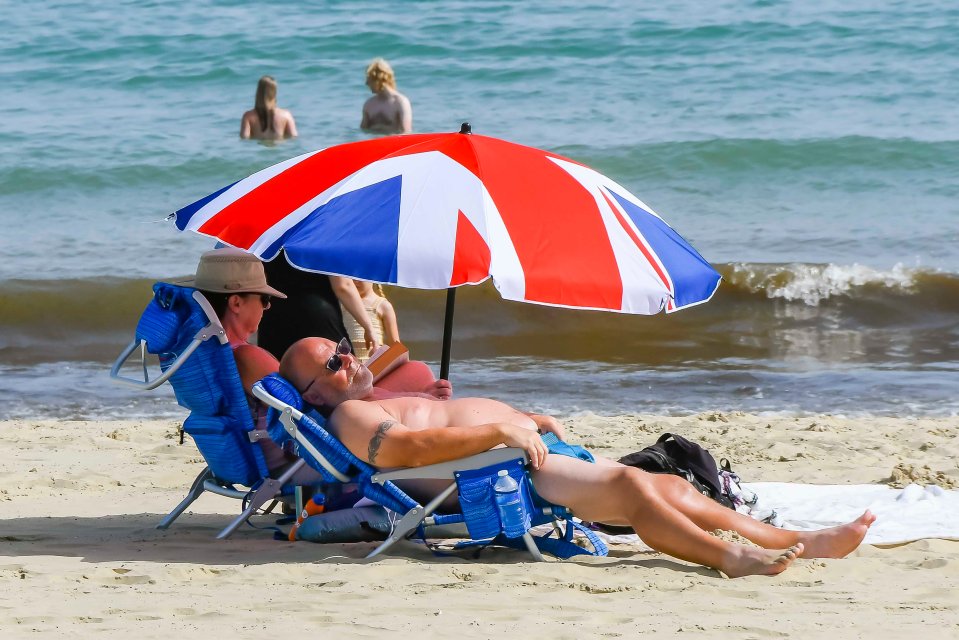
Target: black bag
<point>679,456</point>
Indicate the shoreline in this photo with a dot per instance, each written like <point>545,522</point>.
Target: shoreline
<point>79,551</point>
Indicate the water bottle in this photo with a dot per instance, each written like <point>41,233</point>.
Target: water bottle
<point>313,506</point>
<point>509,502</point>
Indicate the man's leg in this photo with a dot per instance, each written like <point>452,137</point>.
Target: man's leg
<point>610,493</point>
<point>834,542</point>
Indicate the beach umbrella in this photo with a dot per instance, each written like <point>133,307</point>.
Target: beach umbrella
<point>441,210</point>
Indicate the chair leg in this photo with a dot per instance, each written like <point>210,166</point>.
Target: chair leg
<point>270,488</point>
<point>532,548</point>
<point>195,490</point>
<point>409,522</point>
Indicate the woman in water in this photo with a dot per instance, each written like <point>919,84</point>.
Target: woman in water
<point>266,121</point>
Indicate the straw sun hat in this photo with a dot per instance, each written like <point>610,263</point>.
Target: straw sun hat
<point>229,270</point>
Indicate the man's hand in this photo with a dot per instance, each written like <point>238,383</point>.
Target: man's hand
<point>527,440</point>
<point>549,424</point>
<point>439,389</point>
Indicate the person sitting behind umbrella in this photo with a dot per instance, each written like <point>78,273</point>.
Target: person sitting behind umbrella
<point>313,308</point>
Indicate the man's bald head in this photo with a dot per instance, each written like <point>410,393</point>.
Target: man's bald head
<point>305,365</point>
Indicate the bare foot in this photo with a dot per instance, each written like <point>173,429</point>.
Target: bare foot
<point>752,561</point>
<point>837,542</point>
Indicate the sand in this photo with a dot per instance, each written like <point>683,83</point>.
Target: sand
<point>79,554</point>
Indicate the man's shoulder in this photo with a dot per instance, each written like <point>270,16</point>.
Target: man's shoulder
<point>352,408</point>
<point>251,352</point>
<point>358,415</point>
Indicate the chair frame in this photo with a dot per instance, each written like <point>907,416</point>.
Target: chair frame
<point>270,488</point>
<point>421,515</point>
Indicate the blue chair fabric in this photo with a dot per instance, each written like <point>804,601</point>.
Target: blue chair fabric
<point>207,383</point>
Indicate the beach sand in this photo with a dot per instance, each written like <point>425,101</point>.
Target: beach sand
<point>79,553</point>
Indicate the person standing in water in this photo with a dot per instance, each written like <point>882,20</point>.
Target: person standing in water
<point>266,121</point>
<point>388,111</point>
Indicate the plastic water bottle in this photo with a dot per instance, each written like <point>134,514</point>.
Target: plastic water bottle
<point>313,506</point>
<point>509,502</point>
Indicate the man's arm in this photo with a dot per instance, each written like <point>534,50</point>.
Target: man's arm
<point>405,115</point>
<point>548,424</point>
<point>365,121</point>
<point>253,363</point>
<point>375,436</point>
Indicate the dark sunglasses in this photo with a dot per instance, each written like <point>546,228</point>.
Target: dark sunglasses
<point>265,298</point>
<point>343,348</point>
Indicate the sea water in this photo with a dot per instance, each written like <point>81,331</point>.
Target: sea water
<point>810,151</point>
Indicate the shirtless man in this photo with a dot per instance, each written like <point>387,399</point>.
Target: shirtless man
<point>664,510</point>
<point>388,111</point>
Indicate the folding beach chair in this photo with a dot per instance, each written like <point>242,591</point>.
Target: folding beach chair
<point>180,327</point>
<point>473,477</point>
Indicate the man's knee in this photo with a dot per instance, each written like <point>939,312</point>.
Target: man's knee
<point>633,483</point>
<point>645,486</point>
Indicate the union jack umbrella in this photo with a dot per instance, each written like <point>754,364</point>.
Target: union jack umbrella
<point>440,210</point>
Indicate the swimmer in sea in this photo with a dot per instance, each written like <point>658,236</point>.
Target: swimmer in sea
<point>388,111</point>
<point>266,121</point>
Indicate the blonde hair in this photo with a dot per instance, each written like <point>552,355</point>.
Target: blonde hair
<point>265,102</point>
<point>380,74</point>
<point>378,290</point>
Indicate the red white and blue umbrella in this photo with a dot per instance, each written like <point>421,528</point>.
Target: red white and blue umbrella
<point>436,211</point>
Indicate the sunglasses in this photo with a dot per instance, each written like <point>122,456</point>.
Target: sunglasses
<point>343,348</point>
<point>265,298</point>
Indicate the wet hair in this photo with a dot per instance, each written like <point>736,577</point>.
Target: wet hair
<point>381,74</point>
<point>265,102</point>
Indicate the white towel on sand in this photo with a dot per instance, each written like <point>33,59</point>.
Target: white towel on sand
<point>902,515</point>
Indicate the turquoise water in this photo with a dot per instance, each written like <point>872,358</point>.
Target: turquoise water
<point>820,136</point>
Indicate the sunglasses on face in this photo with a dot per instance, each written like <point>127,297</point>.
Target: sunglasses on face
<point>265,299</point>
<point>335,363</point>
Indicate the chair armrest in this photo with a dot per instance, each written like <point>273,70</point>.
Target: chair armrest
<point>445,470</point>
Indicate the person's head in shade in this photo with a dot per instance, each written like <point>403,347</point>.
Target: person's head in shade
<point>234,283</point>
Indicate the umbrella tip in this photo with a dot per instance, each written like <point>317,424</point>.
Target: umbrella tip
<point>466,128</point>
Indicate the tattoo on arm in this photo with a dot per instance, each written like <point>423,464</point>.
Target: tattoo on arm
<point>377,440</point>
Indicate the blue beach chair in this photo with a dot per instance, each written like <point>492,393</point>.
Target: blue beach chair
<point>473,477</point>
<point>180,327</point>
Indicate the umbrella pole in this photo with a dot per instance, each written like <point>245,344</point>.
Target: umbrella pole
<point>447,334</point>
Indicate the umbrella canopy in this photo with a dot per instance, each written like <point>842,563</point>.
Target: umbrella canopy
<point>440,210</point>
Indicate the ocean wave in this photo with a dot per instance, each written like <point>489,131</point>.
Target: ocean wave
<point>813,283</point>
<point>823,313</point>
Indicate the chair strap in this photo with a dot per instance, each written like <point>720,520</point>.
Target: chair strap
<point>565,547</point>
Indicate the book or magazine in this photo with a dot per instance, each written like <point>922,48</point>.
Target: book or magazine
<point>386,359</point>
